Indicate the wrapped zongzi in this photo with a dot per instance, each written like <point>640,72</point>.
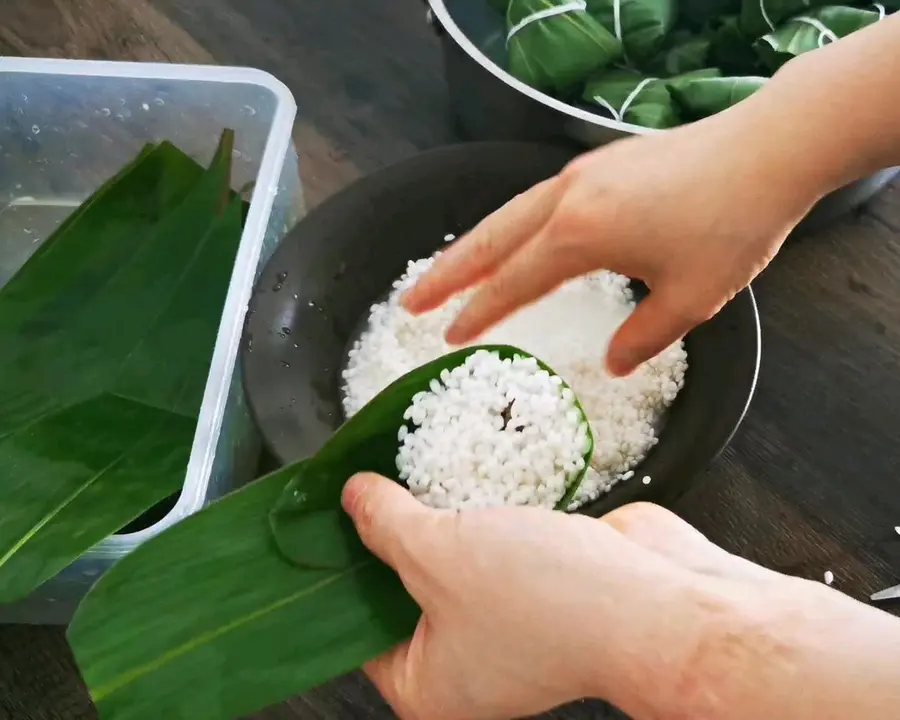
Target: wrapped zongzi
<point>811,31</point>
<point>555,44</point>
<point>697,97</point>
<point>730,48</point>
<point>697,13</point>
<point>627,96</point>
<point>762,16</point>
<point>640,25</point>
<point>683,52</point>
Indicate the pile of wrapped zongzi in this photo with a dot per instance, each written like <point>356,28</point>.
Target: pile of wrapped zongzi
<point>662,63</point>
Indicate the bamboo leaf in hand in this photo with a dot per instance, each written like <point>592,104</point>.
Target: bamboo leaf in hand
<point>308,523</point>
<point>208,621</point>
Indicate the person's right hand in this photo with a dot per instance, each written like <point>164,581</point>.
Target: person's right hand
<point>694,212</point>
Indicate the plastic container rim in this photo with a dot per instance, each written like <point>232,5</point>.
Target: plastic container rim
<point>222,364</point>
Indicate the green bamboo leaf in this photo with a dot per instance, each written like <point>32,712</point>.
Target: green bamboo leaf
<point>308,523</point>
<point>77,476</point>
<point>684,52</point>
<point>168,367</point>
<point>208,621</point>
<point>148,188</point>
<point>700,97</point>
<point>78,357</point>
<point>629,97</point>
<point>810,31</point>
<point>556,52</point>
<point>98,409</point>
<point>640,25</point>
<point>730,49</point>
<point>695,14</point>
<point>759,17</point>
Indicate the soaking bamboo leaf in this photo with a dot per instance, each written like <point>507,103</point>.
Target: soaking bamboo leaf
<point>308,523</point>
<point>99,395</point>
<point>62,275</point>
<point>555,44</point>
<point>188,326</point>
<point>229,627</point>
<point>700,97</point>
<point>640,26</point>
<point>77,476</point>
<point>810,31</point>
<point>73,360</point>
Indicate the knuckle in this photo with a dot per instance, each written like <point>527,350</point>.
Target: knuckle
<point>688,311</point>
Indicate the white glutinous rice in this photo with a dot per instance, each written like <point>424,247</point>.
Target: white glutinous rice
<point>492,432</point>
<point>829,577</point>
<point>569,330</point>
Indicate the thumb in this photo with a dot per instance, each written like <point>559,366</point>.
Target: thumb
<point>387,517</point>
<point>659,320</point>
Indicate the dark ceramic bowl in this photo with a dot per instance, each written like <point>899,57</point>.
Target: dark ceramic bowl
<point>315,293</point>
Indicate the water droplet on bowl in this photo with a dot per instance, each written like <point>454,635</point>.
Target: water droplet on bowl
<point>285,363</point>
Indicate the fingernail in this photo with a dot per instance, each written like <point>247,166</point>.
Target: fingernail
<point>455,335</point>
<point>408,300</point>
<point>353,490</point>
<point>619,362</point>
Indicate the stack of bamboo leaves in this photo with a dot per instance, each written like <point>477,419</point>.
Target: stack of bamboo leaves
<point>106,335</point>
<point>662,63</point>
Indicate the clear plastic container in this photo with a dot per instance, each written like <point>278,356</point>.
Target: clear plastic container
<point>66,126</point>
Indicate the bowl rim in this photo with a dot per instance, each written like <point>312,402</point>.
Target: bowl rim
<point>442,14</point>
<point>596,507</point>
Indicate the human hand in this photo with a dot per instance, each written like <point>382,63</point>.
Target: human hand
<point>696,213</point>
<point>525,609</point>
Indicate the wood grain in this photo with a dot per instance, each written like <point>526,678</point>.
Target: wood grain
<point>810,482</point>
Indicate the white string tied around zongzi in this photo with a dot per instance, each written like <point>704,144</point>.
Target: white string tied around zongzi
<point>881,11</point>
<point>765,15</point>
<point>619,115</point>
<point>573,6</point>
<point>825,32</point>
<point>617,29</point>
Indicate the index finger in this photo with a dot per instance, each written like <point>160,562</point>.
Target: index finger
<point>477,254</point>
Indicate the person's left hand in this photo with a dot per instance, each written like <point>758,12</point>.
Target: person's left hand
<point>525,609</point>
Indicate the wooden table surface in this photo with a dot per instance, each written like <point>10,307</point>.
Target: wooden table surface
<point>809,484</point>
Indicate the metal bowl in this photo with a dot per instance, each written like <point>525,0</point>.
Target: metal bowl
<point>487,103</point>
<point>316,291</point>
